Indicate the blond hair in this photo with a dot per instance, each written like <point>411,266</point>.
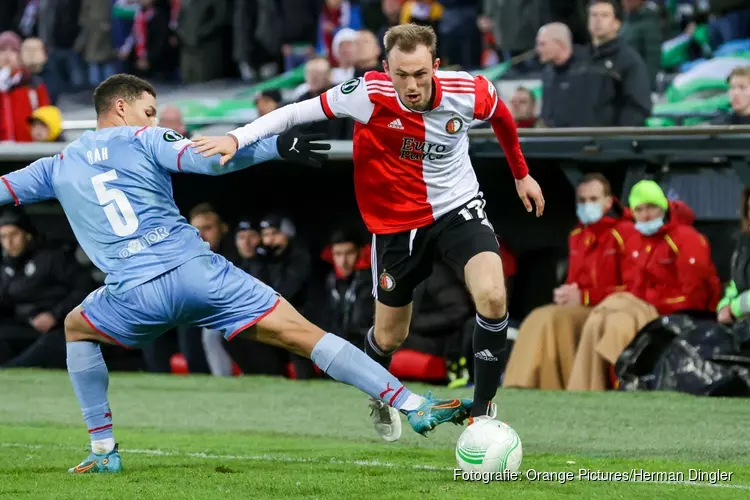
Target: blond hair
<point>740,71</point>
<point>407,37</point>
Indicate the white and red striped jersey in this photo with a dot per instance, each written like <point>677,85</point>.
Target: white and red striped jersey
<point>412,167</point>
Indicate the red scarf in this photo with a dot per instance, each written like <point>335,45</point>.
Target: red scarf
<point>140,31</point>
<point>334,16</point>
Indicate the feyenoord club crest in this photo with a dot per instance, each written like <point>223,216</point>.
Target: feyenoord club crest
<point>454,125</point>
<point>387,282</point>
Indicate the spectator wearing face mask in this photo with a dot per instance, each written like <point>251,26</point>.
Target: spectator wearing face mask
<point>548,338</point>
<point>20,92</point>
<point>667,268</point>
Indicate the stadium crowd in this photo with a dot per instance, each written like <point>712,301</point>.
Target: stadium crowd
<point>599,62</point>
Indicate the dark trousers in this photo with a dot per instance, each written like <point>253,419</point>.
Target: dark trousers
<point>185,339</point>
<point>23,347</point>
<point>256,358</point>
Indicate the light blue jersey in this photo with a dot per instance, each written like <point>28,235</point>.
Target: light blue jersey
<point>115,188</point>
<point>116,191</point>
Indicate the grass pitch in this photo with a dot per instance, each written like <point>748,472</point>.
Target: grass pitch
<point>252,437</point>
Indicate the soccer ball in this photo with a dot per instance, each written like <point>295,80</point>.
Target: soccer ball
<point>489,445</point>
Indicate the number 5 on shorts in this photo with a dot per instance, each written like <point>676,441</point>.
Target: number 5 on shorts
<point>124,223</point>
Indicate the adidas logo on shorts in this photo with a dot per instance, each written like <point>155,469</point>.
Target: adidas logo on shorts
<point>396,124</point>
<point>485,355</point>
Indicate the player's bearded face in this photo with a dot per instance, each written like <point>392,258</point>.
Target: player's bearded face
<point>411,74</point>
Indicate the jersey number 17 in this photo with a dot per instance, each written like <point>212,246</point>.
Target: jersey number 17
<point>123,223</point>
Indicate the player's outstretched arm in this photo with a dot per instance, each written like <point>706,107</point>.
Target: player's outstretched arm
<point>274,123</point>
<point>30,184</point>
<point>173,152</point>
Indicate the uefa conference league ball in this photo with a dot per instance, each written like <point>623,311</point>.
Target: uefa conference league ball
<point>489,445</point>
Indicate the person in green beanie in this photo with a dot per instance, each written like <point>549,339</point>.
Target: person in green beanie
<point>670,261</point>
<point>648,199</point>
<point>666,268</point>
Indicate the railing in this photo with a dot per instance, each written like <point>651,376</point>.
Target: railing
<point>712,144</point>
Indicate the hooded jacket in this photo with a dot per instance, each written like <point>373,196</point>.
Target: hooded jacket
<point>672,268</point>
<point>596,252</point>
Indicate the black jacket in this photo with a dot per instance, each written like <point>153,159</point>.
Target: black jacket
<point>731,119</point>
<point>619,85</point>
<point>43,279</point>
<point>300,19</point>
<point>288,273</point>
<point>441,304</point>
<point>605,86</point>
<point>347,306</point>
<point>564,90</point>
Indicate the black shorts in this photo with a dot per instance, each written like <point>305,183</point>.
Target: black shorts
<point>401,261</point>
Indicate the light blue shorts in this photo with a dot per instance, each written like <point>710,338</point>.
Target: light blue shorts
<point>207,291</point>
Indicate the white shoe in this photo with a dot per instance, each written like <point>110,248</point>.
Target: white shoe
<point>491,414</point>
<point>386,419</point>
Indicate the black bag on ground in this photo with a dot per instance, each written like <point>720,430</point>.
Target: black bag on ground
<point>679,353</point>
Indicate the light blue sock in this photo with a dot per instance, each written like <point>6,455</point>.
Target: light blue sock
<point>90,379</point>
<point>347,364</point>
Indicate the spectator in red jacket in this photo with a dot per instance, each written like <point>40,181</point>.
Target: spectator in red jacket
<point>666,268</point>
<point>20,92</point>
<point>668,262</point>
<point>543,354</point>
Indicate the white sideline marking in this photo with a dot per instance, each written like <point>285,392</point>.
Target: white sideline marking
<point>336,461</point>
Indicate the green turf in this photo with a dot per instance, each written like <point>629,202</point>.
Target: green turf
<point>253,437</point>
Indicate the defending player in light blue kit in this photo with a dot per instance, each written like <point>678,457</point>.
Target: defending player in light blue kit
<point>115,188</point>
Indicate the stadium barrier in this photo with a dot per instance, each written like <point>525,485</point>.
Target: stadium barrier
<point>704,166</point>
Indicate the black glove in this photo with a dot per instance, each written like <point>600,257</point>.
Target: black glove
<point>300,148</point>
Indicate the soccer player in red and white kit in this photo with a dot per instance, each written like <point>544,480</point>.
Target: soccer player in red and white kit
<point>417,192</point>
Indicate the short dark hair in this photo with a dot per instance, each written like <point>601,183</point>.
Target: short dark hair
<point>407,37</point>
<point>121,86</point>
<point>615,7</point>
<point>203,209</point>
<point>347,235</point>
<point>596,177</point>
